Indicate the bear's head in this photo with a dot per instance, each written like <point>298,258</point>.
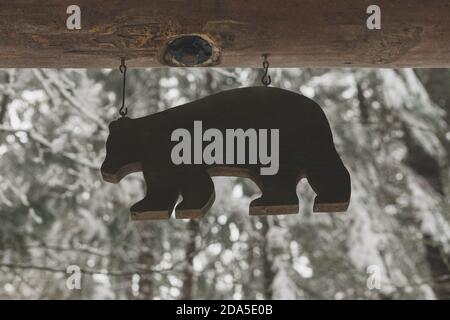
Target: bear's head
<point>121,151</point>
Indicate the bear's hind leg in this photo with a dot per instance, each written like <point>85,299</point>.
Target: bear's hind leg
<point>160,200</point>
<point>332,187</point>
<point>197,190</point>
<point>279,195</point>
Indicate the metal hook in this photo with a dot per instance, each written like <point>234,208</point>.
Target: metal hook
<point>266,79</point>
<point>123,69</point>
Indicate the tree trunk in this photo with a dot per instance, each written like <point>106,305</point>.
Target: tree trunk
<point>268,273</point>
<point>4,101</point>
<point>188,271</point>
<point>149,236</point>
<point>439,263</point>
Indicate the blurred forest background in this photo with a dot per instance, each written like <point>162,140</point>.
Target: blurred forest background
<point>391,128</point>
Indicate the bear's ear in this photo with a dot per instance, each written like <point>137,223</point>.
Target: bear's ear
<point>121,124</point>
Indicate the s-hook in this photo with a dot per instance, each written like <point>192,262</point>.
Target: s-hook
<point>123,69</point>
<point>266,80</point>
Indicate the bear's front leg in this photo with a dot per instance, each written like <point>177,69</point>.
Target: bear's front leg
<point>197,190</point>
<point>279,195</point>
<point>331,183</point>
<point>161,195</point>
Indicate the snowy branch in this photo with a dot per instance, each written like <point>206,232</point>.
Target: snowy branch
<point>84,271</point>
<point>96,119</point>
<point>33,135</point>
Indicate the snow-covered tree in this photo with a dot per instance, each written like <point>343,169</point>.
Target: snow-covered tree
<point>391,128</point>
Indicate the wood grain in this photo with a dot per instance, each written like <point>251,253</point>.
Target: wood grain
<point>296,33</point>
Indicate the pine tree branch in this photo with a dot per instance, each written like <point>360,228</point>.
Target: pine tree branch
<point>84,249</point>
<point>33,135</point>
<point>94,118</point>
<point>85,271</point>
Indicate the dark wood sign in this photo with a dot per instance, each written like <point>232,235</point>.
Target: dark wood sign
<point>272,136</point>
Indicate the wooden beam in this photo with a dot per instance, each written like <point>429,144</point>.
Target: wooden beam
<point>316,33</point>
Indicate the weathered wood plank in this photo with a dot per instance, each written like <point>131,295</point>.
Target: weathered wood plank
<point>321,33</point>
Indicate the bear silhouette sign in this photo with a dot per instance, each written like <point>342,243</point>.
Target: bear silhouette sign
<point>272,136</point>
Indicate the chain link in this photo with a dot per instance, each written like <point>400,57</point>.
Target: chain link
<point>266,79</point>
<point>123,69</point>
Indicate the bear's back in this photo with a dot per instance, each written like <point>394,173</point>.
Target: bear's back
<point>251,107</point>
